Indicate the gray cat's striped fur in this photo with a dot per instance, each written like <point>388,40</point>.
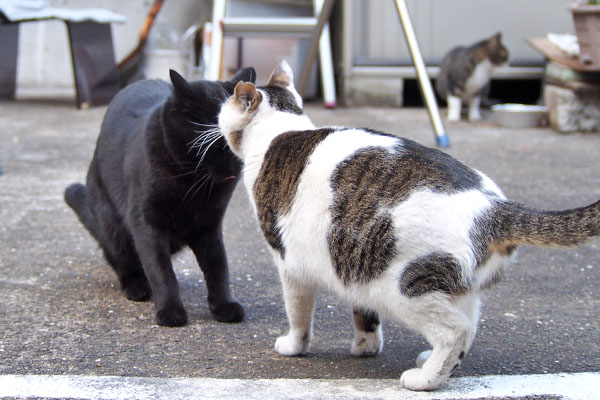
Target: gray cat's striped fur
<point>466,71</point>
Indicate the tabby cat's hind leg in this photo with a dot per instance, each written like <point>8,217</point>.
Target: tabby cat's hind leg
<point>367,333</point>
<point>449,325</point>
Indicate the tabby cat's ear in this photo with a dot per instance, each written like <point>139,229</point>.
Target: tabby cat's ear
<point>497,37</point>
<point>181,86</point>
<point>244,75</point>
<point>282,75</point>
<point>246,96</point>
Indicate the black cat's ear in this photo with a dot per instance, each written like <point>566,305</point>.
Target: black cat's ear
<point>282,75</point>
<point>244,75</point>
<point>181,86</point>
<point>246,97</point>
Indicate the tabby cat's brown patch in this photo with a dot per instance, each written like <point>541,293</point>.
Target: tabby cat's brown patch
<point>361,239</point>
<point>277,181</point>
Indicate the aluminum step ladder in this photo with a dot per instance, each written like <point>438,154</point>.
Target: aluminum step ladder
<point>223,25</point>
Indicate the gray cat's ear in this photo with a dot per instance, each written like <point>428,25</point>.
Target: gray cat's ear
<point>246,97</point>
<point>181,86</point>
<point>282,75</point>
<point>245,75</point>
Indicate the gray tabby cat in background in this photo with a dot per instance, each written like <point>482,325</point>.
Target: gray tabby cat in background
<point>466,71</point>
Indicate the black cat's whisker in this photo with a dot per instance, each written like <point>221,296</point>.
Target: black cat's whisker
<point>199,184</point>
<point>208,127</point>
<point>206,130</point>
<point>206,143</point>
<point>191,188</point>
<point>201,140</point>
<point>211,183</point>
<point>203,134</point>
<point>208,137</point>
<point>180,163</point>
<point>200,124</point>
<point>212,133</point>
<point>194,142</point>
<point>210,188</point>
<point>207,148</point>
<point>193,172</point>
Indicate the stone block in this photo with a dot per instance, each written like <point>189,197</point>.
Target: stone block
<point>573,109</point>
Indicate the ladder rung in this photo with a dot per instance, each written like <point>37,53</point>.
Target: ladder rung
<point>298,25</point>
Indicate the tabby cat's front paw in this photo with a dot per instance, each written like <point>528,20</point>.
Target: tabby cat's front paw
<point>292,344</point>
<point>417,379</point>
<point>172,316</point>
<point>228,312</point>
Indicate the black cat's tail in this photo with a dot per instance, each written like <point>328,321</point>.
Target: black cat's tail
<point>516,224</point>
<point>76,198</point>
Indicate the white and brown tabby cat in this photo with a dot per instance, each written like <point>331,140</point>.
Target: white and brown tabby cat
<point>466,71</point>
<point>396,229</point>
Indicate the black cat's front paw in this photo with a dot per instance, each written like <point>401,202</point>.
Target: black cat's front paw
<point>228,312</point>
<point>172,316</point>
<point>138,290</point>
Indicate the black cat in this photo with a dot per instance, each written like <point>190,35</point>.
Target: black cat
<point>160,179</point>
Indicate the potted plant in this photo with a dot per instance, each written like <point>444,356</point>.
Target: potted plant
<point>586,16</point>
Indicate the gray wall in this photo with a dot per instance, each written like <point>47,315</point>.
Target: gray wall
<point>443,24</point>
<point>375,57</point>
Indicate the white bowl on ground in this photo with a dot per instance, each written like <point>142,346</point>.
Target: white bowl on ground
<point>520,115</point>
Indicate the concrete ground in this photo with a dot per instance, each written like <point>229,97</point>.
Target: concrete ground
<point>61,310</point>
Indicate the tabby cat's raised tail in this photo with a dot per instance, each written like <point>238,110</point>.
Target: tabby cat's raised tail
<point>516,224</point>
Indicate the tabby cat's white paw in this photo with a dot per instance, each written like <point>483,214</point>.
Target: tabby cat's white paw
<point>292,345</point>
<point>416,379</point>
<point>367,344</point>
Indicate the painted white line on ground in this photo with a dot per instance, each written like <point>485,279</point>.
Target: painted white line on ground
<point>582,386</point>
